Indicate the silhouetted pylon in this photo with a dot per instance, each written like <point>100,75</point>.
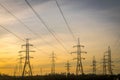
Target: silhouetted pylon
<point>79,67</point>
<point>67,65</point>
<point>53,63</point>
<point>20,64</point>
<point>109,61</point>
<point>27,70</point>
<point>94,65</point>
<point>104,65</point>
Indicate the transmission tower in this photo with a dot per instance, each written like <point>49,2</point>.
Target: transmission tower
<point>41,70</point>
<point>104,65</point>
<point>79,67</point>
<point>20,64</point>
<point>109,61</point>
<point>53,64</point>
<point>27,70</point>
<point>94,65</point>
<point>68,67</point>
<point>15,70</point>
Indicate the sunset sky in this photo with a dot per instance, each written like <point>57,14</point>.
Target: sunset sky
<point>95,22</point>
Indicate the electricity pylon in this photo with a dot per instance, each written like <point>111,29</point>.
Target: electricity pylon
<point>67,65</point>
<point>27,70</point>
<point>104,65</point>
<point>20,64</point>
<point>15,70</point>
<point>109,61</point>
<point>41,70</point>
<point>53,63</point>
<point>94,65</point>
<point>79,67</point>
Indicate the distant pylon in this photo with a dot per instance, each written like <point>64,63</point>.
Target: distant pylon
<point>27,70</point>
<point>41,70</point>
<point>67,65</point>
<point>94,65</point>
<point>104,65</point>
<point>79,67</point>
<point>53,64</point>
<point>15,70</point>
<point>20,64</point>
<point>109,61</point>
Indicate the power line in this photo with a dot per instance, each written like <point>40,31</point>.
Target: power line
<point>18,36</point>
<point>25,25</point>
<point>61,11</point>
<point>38,16</point>
<point>11,32</point>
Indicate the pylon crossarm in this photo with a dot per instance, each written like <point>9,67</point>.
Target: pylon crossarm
<point>31,57</point>
<point>75,58</point>
<point>75,46</point>
<point>22,57</point>
<point>84,52</point>
<point>73,52</point>
<point>105,52</point>
<point>21,51</point>
<point>30,45</point>
<point>83,58</point>
<point>31,51</point>
<point>82,46</point>
<point>23,45</point>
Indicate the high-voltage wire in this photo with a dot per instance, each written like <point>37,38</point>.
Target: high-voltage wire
<point>61,11</point>
<point>25,25</point>
<point>21,23</point>
<point>11,32</point>
<point>38,16</point>
<point>18,37</point>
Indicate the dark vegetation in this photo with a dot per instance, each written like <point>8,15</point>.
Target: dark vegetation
<point>63,77</point>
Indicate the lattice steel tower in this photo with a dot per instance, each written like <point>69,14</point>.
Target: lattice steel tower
<point>104,65</point>
<point>67,65</point>
<point>53,63</point>
<point>109,61</point>
<point>27,71</point>
<point>94,65</point>
<point>20,64</point>
<point>79,67</point>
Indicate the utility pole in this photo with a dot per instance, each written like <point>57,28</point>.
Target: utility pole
<point>53,64</point>
<point>94,65</point>
<point>109,61</point>
<point>68,67</point>
<point>79,67</point>
<point>27,70</point>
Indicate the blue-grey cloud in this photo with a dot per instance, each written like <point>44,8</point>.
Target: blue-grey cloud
<point>99,10</point>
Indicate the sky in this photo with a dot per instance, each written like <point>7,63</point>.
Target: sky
<point>95,22</point>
